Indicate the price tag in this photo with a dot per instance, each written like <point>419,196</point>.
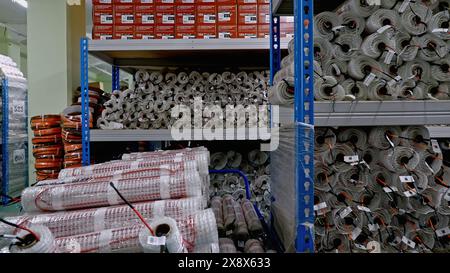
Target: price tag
<point>18,107</point>
<point>369,79</point>
<point>351,158</point>
<point>383,29</point>
<point>224,16</point>
<point>355,233</point>
<point>188,19</point>
<point>156,241</point>
<point>390,189</point>
<point>374,227</point>
<point>168,19</point>
<point>320,206</point>
<point>337,28</point>
<point>19,156</point>
<point>373,2</point>
<point>410,193</point>
<point>443,231</point>
<point>406,179</point>
<point>345,212</point>
<point>435,146</point>
<point>404,6</point>
<point>250,19</point>
<point>440,30</point>
<point>362,208</point>
<point>408,242</point>
<point>389,56</point>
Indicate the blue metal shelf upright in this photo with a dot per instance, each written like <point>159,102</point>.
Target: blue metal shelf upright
<point>304,115</point>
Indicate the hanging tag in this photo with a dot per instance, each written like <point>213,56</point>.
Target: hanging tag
<point>336,68</point>
<point>362,208</point>
<point>369,79</point>
<point>360,246</point>
<point>390,189</point>
<point>383,29</point>
<point>410,193</point>
<point>389,56</point>
<point>406,179</point>
<point>404,6</point>
<point>440,30</point>
<point>443,231</point>
<point>408,242</point>
<point>374,227</point>
<point>390,141</point>
<point>156,241</point>
<point>355,233</point>
<point>345,212</point>
<point>320,206</point>
<point>351,158</point>
<point>435,146</point>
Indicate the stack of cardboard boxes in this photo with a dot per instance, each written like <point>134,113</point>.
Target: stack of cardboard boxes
<point>183,19</point>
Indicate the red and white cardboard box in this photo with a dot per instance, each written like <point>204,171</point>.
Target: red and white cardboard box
<point>227,31</point>
<point>144,32</point>
<point>206,32</point>
<point>248,32</point>
<point>124,14</point>
<point>247,14</point>
<point>206,14</point>
<point>124,32</point>
<point>244,2</point>
<point>99,2</point>
<point>226,14</point>
<point>263,14</point>
<point>185,32</point>
<point>102,32</point>
<point>185,14</point>
<point>165,14</point>
<point>263,31</point>
<point>226,2</point>
<point>103,14</point>
<point>286,30</point>
<point>263,1</point>
<point>144,14</point>
<point>165,32</point>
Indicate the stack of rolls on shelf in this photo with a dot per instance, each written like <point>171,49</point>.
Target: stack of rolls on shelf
<point>47,146</point>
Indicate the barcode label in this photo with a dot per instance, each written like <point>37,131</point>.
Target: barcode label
<point>128,18</point>
<point>345,212</point>
<point>148,19</point>
<point>443,231</point>
<point>440,30</point>
<point>404,6</point>
<point>106,37</point>
<point>250,19</point>
<point>188,19</point>
<point>224,16</point>
<point>148,37</point>
<point>320,206</point>
<point>362,208</point>
<point>106,19</point>
<point>351,158</point>
<point>188,36</point>
<point>406,179</point>
<point>156,241</point>
<point>19,156</point>
<point>126,37</point>
<point>168,19</point>
<point>209,18</point>
<point>369,79</point>
<point>410,193</point>
<point>435,146</point>
<point>224,35</point>
<point>390,189</point>
<point>167,36</point>
<point>408,242</point>
<point>250,36</point>
<point>389,56</point>
<point>267,18</point>
<point>209,36</point>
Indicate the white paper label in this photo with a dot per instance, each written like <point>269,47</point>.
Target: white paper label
<point>320,206</point>
<point>209,18</point>
<point>250,36</point>
<point>443,231</point>
<point>410,193</point>
<point>209,36</point>
<point>369,79</point>
<point>435,146</point>
<point>404,6</point>
<point>355,233</point>
<point>224,16</point>
<point>168,19</point>
<point>106,19</point>
<point>362,208</point>
<point>390,189</point>
<point>167,36</point>
<point>373,2</point>
<point>337,28</point>
<point>19,156</point>
<point>360,246</point>
<point>406,179</point>
<point>105,1</point>
<point>126,37</point>
<point>408,242</point>
<point>188,36</point>
<point>440,30</point>
<point>267,18</point>
<point>351,158</point>
<point>345,212</point>
<point>229,232</point>
<point>148,19</point>
<point>168,1</point>
<point>18,107</point>
<point>374,227</point>
<point>224,35</point>
<point>156,241</point>
<point>250,1</point>
<point>250,19</point>
<point>188,19</point>
<point>389,56</point>
<point>383,29</point>
<point>128,18</point>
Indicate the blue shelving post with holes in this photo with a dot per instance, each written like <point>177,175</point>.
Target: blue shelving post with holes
<point>84,76</point>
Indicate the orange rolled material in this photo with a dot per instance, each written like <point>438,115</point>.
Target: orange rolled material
<point>45,122</point>
<point>44,151</point>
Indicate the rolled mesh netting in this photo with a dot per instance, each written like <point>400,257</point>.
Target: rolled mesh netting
<point>326,25</point>
<point>400,159</point>
<point>379,179</point>
<point>444,202</point>
<point>375,44</point>
<point>415,69</point>
<point>424,241</point>
<point>433,48</point>
<point>88,195</point>
<point>325,177</point>
<point>197,229</point>
<point>371,157</point>
<point>353,23</point>
<point>346,219</point>
<point>356,137</point>
<point>334,242</point>
<point>63,224</point>
<point>425,202</point>
<point>339,152</point>
<point>440,70</point>
<point>407,46</point>
<point>354,180</point>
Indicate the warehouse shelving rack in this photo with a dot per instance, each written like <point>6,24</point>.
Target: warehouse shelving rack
<point>333,114</point>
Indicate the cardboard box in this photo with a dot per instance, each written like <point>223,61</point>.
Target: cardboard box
<point>123,15</point>
<point>165,14</point>
<point>263,31</point>
<point>227,32</point>
<point>185,32</point>
<point>244,2</point>
<point>226,2</point>
<point>249,31</point>
<point>206,14</point>
<point>144,32</point>
<point>286,30</point>
<point>206,32</point>
<point>102,32</point>
<point>263,1</point>
<point>185,14</point>
<point>124,2</point>
<point>226,14</point>
<point>100,2</point>
<point>144,14</point>
<point>247,14</point>
<point>124,32</point>
<point>165,32</point>
<point>263,14</point>
<point>169,2</point>
<point>103,14</point>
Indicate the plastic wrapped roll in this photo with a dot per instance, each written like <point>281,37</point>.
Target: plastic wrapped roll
<point>164,226</point>
<point>423,239</point>
<point>346,219</point>
<point>415,70</point>
<point>326,24</point>
<point>323,50</point>
<point>240,226</point>
<point>46,243</point>
<point>400,159</point>
<point>253,246</point>
<point>354,89</point>
<point>216,205</point>
<point>354,180</point>
<point>227,246</point>
<point>416,18</point>
<point>282,93</point>
<point>333,242</point>
<point>356,137</point>
<point>378,137</point>
<point>339,152</point>
<point>229,215</point>
<point>381,18</point>
<point>425,202</point>
<point>362,8</point>
<point>440,70</point>
<point>335,68</point>
<point>409,90</point>
<point>251,218</point>
<point>362,66</point>
<point>375,44</point>
<point>324,139</point>
<point>346,46</point>
<point>407,46</point>
<point>439,25</point>
<point>353,23</point>
<point>325,177</point>
<point>416,137</point>
<point>329,89</point>
<point>432,47</point>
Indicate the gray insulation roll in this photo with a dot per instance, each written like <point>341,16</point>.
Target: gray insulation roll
<point>379,90</point>
<point>415,70</point>
<point>325,177</point>
<point>354,180</point>
<point>324,139</point>
<point>339,153</point>
<point>416,18</point>
<point>282,92</point>
<point>433,48</point>
<point>417,137</point>
<point>407,46</point>
<point>323,50</point>
<point>347,46</point>
<point>439,25</point>
<point>361,67</point>
<point>440,70</point>
<point>353,23</point>
<point>329,89</point>
<point>375,44</point>
<point>335,68</point>
<point>354,89</point>
<point>383,137</point>
<point>326,25</point>
<point>381,18</point>
<point>362,8</point>
<point>355,137</point>
<point>400,159</point>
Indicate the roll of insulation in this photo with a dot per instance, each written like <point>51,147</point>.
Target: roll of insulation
<point>416,18</point>
<point>433,220</point>
<point>354,89</point>
<point>376,44</point>
<point>335,68</point>
<point>329,89</point>
<point>229,214</point>
<point>346,46</point>
<point>440,70</point>
<point>324,139</point>
<point>433,48</point>
<point>400,159</point>
<point>257,157</point>
<point>439,25</point>
<point>326,178</point>
<point>362,8</point>
<point>406,46</point>
<point>355,137</point>
<point>381,18</point>
<point>420,182</point>
<point>227,245</point>
<point>363,67</point>
<point>218,161</point>
<point>425,202</point>
<point>430,163</point>
<point>167,227</point>
<point>141,76</point>
<point>354,180</point>
<point>416,69</point>
<point>417,137</point>
<point>353,23</point>
<point>347,219</point>
<point>444,202</point>
<point>46,243</point>
<point>323,50</point>
<point>409,90</point>
<point>326,25</point>
<point>382,137</point>
<point>440,92</point>
<point>282,93</point>
<point>339,152</point>
<point>334,242</point>
<point>371,157</point>
<point>369,199</point>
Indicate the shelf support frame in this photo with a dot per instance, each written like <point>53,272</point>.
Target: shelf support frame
<point>115,78</point>
<point>5,140</point>
<point>85,112</point>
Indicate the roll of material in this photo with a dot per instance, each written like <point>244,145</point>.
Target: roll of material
<point>430,163</point>
<point>433,220</point>
<point>420,183</point>
<point>444,207</point>
<point>371,157</point>
<point>164,226</point>
<point>282,93</point>
<point>376,44</point>
<point>216,205</point>
<point>409,90</point>
<point>323,50</point>
<point>46,243</point>
<point>382,137</point>
<point>416,18</point>
<point>218,161</point>
<point>353,23</point>
<point>361,8</point>
<point>326,178</point>
<point>417,70</point>
<point>339,153</point>
<point>251,218</point>
<point>400,159</point>
<point>380,178</point>
<point>324,139</point>
<point>253,246</point>
<point>433,48</point>
<point>346,224</point>
<point>425,202</point>
<point>329,89</point>
<point>381,18</point>
<point>335,68</point>
<point>257,157</point>
<point>356,137</point>
<point>240,226</point>
<point>407,46</point>
<point>229,214</point>
<point>354,180</point>
<point>417,137</point>
<point>354,90</point>
<point>227,245</point>
<point>346,46</point>
<point>334,242</point>
<point>423,239</point>
<point>326,25</point>
<point>440,70</point>
<point>361,67</point>
<point>439,25</point>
